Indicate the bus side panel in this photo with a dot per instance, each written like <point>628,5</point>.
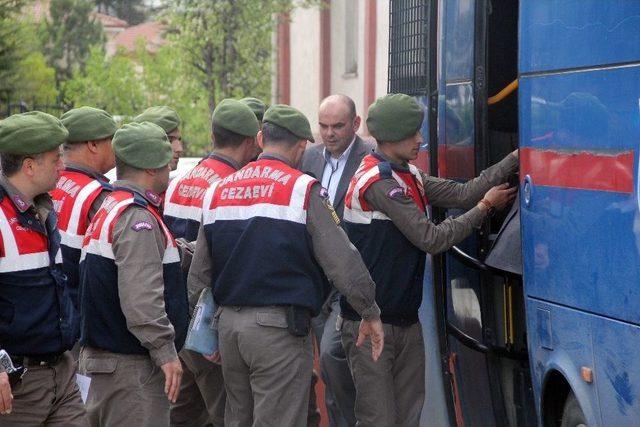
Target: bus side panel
<point>577,33</point>
<point>617,371</point>
<point>560,340</point>
<point>580,219</point>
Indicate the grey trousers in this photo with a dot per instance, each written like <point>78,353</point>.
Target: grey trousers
<point>340,392</point>
<point>267,371</point>
<point>389,392</point>
<point>202,396</point>
<point>126,390</point>
<point>47,396</point>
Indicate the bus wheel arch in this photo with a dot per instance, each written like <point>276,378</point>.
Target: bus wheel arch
<point>556,391</point>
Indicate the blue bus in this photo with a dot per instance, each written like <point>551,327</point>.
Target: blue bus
<point>548,337</point>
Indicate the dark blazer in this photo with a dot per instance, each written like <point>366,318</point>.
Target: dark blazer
<point>313,163</point>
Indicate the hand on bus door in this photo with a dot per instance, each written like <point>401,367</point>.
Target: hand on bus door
<point>498,197</point>
<point>373,330</point>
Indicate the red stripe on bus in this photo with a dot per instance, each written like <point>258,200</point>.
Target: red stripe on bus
<point>581,170</point>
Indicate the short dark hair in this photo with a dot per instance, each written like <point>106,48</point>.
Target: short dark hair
<point>276,135</point>
<point>223,138</point>
<point>69,146</point>
<point>124,170</point>
<point>12,163</point>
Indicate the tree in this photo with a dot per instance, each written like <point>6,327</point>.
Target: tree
<point>37,82</point>
<point>166,80</point>
<point>228,44</point>
<point>108,83</point>
<point>69,35</point>
<point>132,11</point>
<point>11,51</point>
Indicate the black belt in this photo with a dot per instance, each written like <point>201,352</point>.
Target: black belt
<point>41,360</point>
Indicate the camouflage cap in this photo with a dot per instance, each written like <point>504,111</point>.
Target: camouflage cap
<point>258,107</point>
<point>142,145</point>
<point>235,116</point>
<point>31,133</point>
<point>165,117</point>
<point>88,124</point>
<point>394,117</point>
<point>290,119</point>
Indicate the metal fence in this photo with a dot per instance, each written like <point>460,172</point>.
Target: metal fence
<point>408,46</point>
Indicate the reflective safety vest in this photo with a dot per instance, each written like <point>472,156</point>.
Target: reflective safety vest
<point>103,323</point>
<point>395,264</point>
<point>183,199</point>
<point>255,225</point>
<point>73,196</point>
<point>37,315</point>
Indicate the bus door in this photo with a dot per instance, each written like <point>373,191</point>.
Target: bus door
<point>485,354</point>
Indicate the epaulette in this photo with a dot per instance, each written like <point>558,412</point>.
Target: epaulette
<point>106,185</point>
<point>385,170</point>
<point>137,198</point>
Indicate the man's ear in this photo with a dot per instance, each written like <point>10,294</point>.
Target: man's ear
<point>356,123</point>
<point>93,146</point>
<point>28,166</point>
<point>260,140</point>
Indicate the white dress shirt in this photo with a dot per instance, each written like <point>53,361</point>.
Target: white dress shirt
<point>333,169</point>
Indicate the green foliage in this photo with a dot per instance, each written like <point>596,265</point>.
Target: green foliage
<point>216,49</point>
<point>167,81</point>
<point>11,50</point>
<point>37,82</point>
<point>228,44</point>
<point>108,83</point>
<point>69,35</point>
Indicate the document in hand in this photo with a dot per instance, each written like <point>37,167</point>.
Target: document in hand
<point>202,336</point>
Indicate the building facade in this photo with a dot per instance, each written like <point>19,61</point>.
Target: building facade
<point>340,47</point>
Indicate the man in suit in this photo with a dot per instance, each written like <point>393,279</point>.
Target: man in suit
<point>334,163</point>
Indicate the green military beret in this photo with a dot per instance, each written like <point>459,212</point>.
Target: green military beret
<point>142,145</point>
<point>290,119</point>
<point>31,133</point>
<point>236,117</point>
<point>258,107</point>
<point>394,117</point>
<point>88,124</point>
<point>165,117</point>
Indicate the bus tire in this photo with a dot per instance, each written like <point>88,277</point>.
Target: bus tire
<point>572,415</point>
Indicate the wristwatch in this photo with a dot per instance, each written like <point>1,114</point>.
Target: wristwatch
<point>490,209</point>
